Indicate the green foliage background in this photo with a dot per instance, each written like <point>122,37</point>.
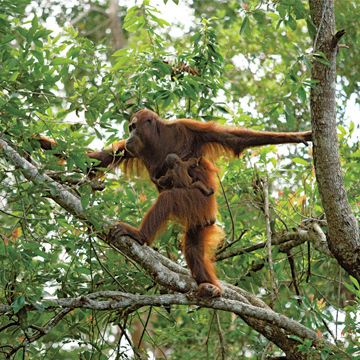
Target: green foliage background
<point>72,86</point>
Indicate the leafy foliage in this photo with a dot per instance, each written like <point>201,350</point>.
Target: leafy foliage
<point>246,63</point>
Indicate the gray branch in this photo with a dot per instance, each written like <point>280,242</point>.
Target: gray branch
<point>311,232</point>
<point>115,300</point>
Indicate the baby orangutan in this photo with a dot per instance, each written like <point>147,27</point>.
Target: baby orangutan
<point>179,175</point>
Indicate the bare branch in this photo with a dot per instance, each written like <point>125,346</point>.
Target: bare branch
<point>265,189</point>
<point>114,300</point>
<point>311,231</point>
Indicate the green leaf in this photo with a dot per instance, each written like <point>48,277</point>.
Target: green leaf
<point>85,200</point>
<point>311,27</point>
<point>282,10</point>
<point>302,94</point>
<point>61,61</point>
<point>292,23</point>
<point>259,16</point>
<point>159,21</point>
<point>321,58</point>
<point>355,282</point>
<point>120,53</point>
<point>300,161</point>
<point>18,304</point>
<point>244,25</point>
<point>134,20</point>
<point>299,10</point>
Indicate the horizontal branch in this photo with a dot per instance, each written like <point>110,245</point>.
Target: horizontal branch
<point>116,300</point>
<point>287,240</point>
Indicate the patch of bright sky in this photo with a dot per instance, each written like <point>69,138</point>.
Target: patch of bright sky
<point>181,17</point>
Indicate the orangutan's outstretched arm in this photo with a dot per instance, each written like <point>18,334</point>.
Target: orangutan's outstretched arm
<point>111,156</point>
<point>108,157</point>
<point>236,139</point>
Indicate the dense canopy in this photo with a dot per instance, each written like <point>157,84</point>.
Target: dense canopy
<point>290,261</point>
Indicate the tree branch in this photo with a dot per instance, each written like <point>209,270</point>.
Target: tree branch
<point>307,231</point>
<point>115,300</point>
<point>265,189</point>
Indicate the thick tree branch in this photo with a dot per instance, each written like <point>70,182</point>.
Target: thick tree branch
<point>115,300</point>
<point>343,232</point>
<point>167,273</point>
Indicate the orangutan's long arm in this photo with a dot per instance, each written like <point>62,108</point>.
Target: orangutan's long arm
<point>108,157</point>
<point>237,139</point>
<point>111,156</point>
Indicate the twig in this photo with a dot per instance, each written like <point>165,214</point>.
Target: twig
<point>293,274</point>
<point>229,210</point>
<point>241,251</point>
<point>265,187</point>
<point>105,268</point>
<point>308,273</point>
<point>227,245</point>
<point>255,266</point>
<point>287,240</point>
<point>145,326</point>
<point>95,184</point>
<point>209,331</point>
<point>338,304</point>
<point>41,332</point>
<point>123,332</point>
<point>221,336</point>
<point>324,6</point>
<point>22,217</point>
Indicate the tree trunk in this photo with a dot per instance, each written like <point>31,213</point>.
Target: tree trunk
<point>118,39</point>
<point>343,229</point>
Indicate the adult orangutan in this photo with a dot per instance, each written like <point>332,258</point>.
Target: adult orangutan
<point>151,140</point>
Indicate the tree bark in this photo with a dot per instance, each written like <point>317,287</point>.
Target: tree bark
<point>118,39</point>
<point>343,239</point>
